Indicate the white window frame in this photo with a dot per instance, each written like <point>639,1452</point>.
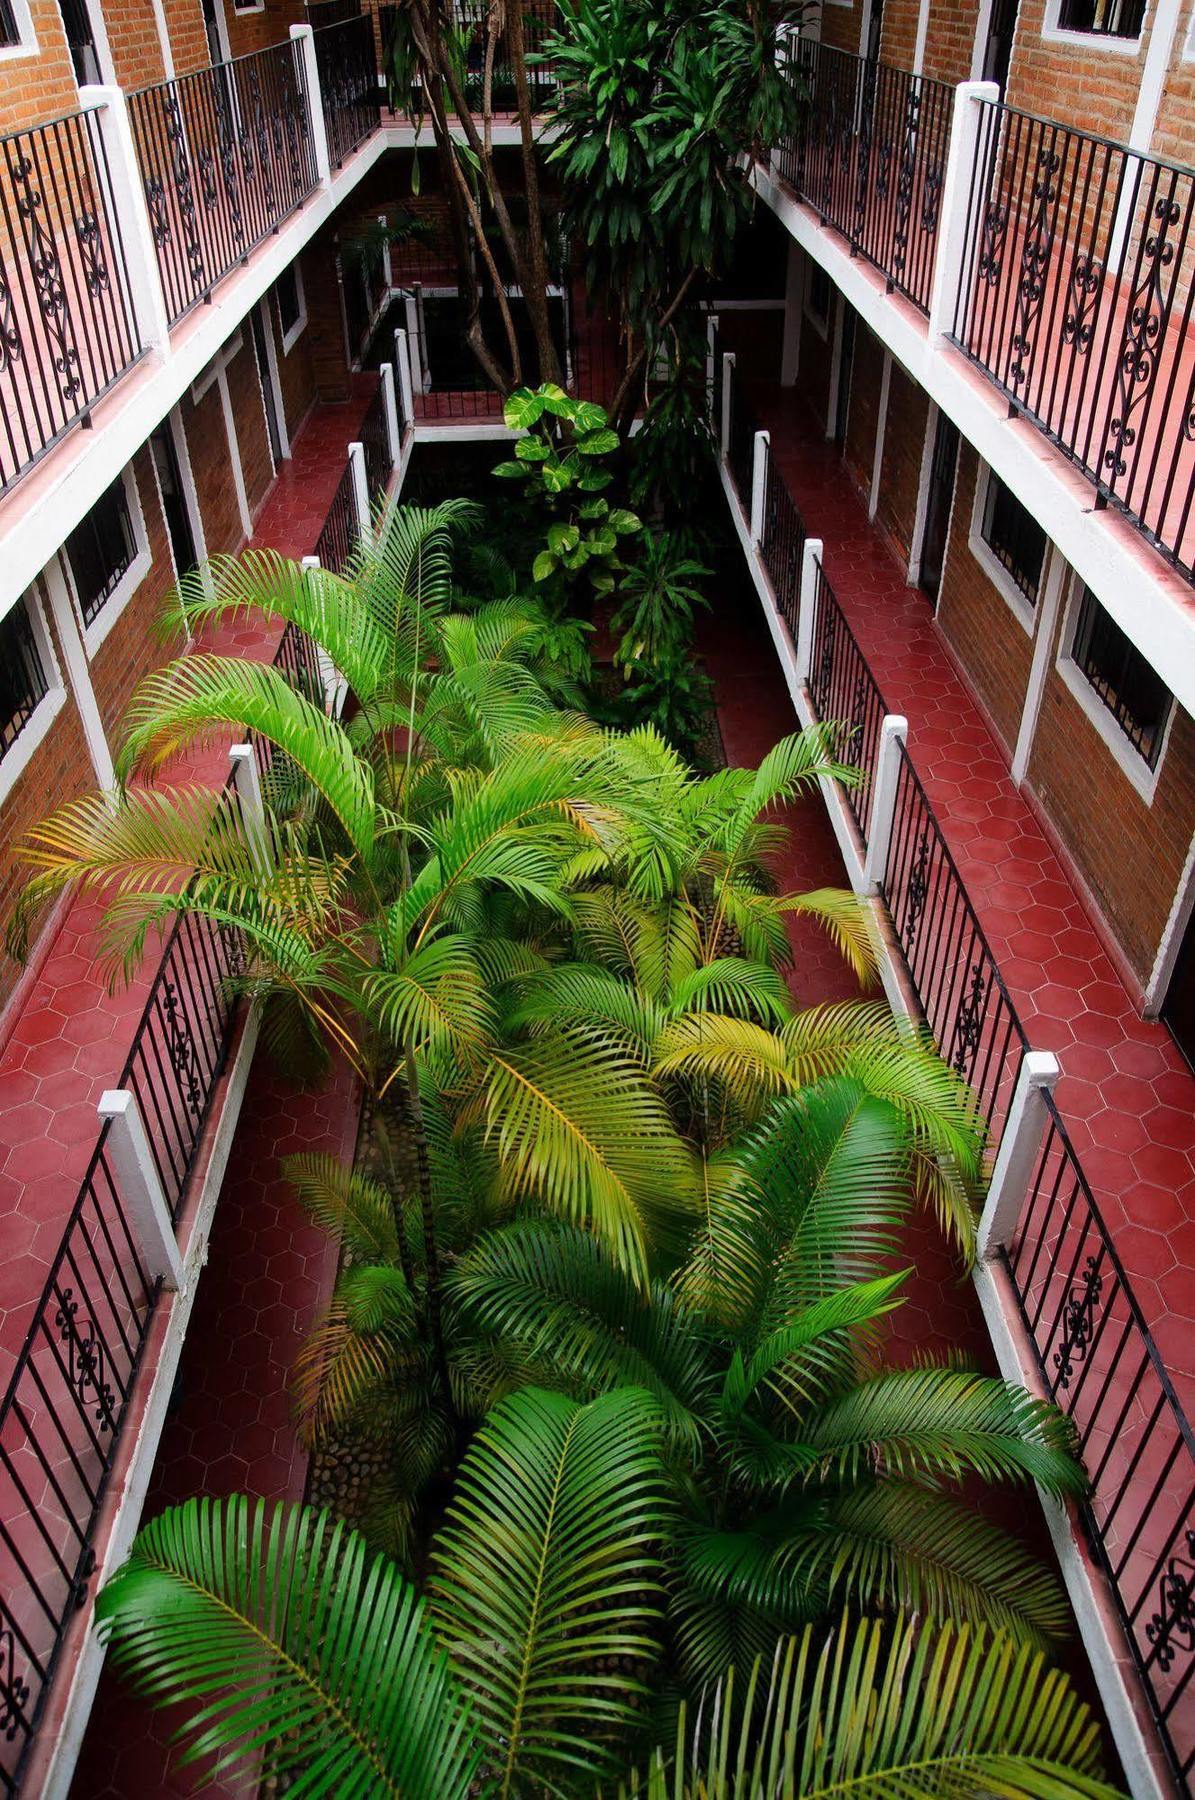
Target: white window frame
<point>1053,33</point>
<point>13,766</point>
<point>254,6</point>
<point>989,562</point>
<point>94,634</point>
<point>288,339</point>
<point>821,326</point>
<point>1188,53</point>
<point>1125,754</point>
<point>26,44</point>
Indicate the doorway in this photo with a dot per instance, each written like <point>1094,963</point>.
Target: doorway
<point>212,24</point>
<point>939,495</point>
<point>269,398</point>
<point>80,41</point>
<point>1178,1008</point>
<point>846,358</point>
<point>997,51</point>
<point>174,500</point>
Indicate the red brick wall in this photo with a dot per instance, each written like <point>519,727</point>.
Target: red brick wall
<point>1130,852</point>
<point>977,621</point>
<point>36,88</point>
<point>207,445</point>
<point>900,471</point>
<point>325,324</point>
<point>134,43</point>
<point>841,24</point>
<point>898,37</point>
<point>950,39</point>
<point>134,645</point>
<point>255,30</point>
<point>59,770</point>
<point>248,411</point>
<point>866,376</point>
<point>1092,88</point>
<point>188,36</point>
<point>1174,132</point>
<point>296,376</point>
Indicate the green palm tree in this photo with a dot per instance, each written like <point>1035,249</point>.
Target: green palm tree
<point>525,1672</point>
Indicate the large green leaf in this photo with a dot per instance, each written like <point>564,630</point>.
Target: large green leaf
<point>282,1630</point>
<point>546,1580</point>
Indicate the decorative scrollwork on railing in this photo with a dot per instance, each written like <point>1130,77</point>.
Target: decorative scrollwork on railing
<point>184,192</point>
<point>1078,1319</point>
<point>180,1046</point>
<point>91,250</point>
<point>45,267</point>
<point>1171,1628</point>
<point>917,892</point>
<point>968,1024</point>
<point>1036,252</point>
<point>906,183</point>
<point>1085,285</point>
<point>11,348</point>
<point>1144,329</point>
<point>14,1689</point>
<point>992,238</point>
<point>825,666</point>
<point>86,1359</point>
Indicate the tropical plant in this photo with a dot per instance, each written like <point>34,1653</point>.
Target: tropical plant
<point>523,1675</point>
<point>657,600</point>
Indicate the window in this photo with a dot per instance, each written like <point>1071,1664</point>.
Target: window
<point>1014,538</point>
<point>23,679</point>
<point>1119,675</point>
<point>9,30</point>
<point>16,29</point>
<point>292,306</point>
<point>101,549</point>
<point>80,39</point>
<point>1102,18</point>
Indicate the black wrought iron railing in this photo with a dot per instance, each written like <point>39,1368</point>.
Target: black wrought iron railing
<point>225,156</point>
<point>740,446</point>
<point>375,441</point>
<point>1076,299</point>
<point>68,330</point>
<point>72,1379</point>
<point>843,689</point>
<point>335,543</point>
<point>869,154</point>
<point>330,12</point>
<point>783,544</point>
<point>346,58</point>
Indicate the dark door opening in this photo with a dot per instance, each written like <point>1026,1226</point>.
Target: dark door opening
<point>268,397</point>
<point>1178,1008</point>
<point>875,31</point>
<point>215,49</point>
<point>80,41</point>
<point>845,364</point>
<point>937,506</point>
<point>997,53</point>
<point>174,501</point>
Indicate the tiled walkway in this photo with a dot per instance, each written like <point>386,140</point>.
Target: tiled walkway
<point>1126,1094</point>
<point>71,1036</point>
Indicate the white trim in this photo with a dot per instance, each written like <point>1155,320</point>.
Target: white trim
<point>163,32</point>
<point>236,467</point>
<point>1101,42</point>
<point>877,461</point>
<point>261,395</point>
<point>923,33</point>
<point>1054,576</point>
<point>182,453</point>
<point>836,369</point>
<point>26,44</point>
<point>241,10</point>
<point>921,509</point>
<point>267,326</point>
<point>103,49</point>
<point>1020,607</point>
<point>1172,937</point>
<point>820,325</point>
<point>794,282</point>
<point>221,29</point>
<point>18,758</point>
<point>1127,758</point>
<point>1163,29</point>
<point>60,595</point>
<point>224,355</point>
<point>1189,41</point>
<point>140,564</point>
<point>290,338</point>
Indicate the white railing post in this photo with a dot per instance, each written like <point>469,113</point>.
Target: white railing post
<point>247,777</point>
<point>414,347</point>
<point>727,382</point>
<point>390,413</point>
<point>759,482</point>
<point>970,100</point>
<point>360,489</point>
<point>132,216</point>
<point>132,1163</point>
<point>402,362</point>
<point>1020,1147</point>
<point>303,36</point>
<point>334,688</point>
<point>894,733</point>
<point>387,265</point>
<point>711,364</point>
<point>811,559</point>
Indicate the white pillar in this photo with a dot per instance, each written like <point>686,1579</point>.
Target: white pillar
<point>414,347</point>
<point>811,558</point>
<point>402,362</point>
<point>794,299</point>
<point>361,495</point>
<point>127,192</point>
<point>247,776</point>
<point>390,413</point>
<point>759,482</point>
<point>334,688</point>
<point>727,383</point>
<point>893,734</point>
<point>302,36</point>
<point>877,461</point>
<point>711,363</point>
<point>387,266</point>
<point>131,1161</point>
<point>1020,1147</point>
<point>972,108</point>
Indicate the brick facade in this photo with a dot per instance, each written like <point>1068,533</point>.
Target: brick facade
<point>1129,851</point>
<point>840,25</point>
<point>255,29</point>
<point>296,374</point>
<point>207,445</point>
<point>134,645</point>
<point>42,86</point>
<point>950,40</point>
<point>866,375</point>
<point>900,471</point>
<point>249,418</point>
<point>977,621</point>
<point>325,321</point>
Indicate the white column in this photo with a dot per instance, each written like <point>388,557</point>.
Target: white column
<point>132,1163</point>
<point>727,384</point>
<point>387,266</point>
<point>402,362</point>
<point>361,495</point>
<point>893,733</point>
<point>972,103</point>
<point>1020,1147</point>
<point>78,670</point>
<point>711,362</point>
<point>759,481</point>
<point>794,298</point>
<point>424,362</point>
<point>414,349</point>
<point>877,461</point>
<point>303,37</point>
<point>132,217</point>
<point>390,413</point>
<point>247,776</point>
<point>234,449</point>
<point>811,557</point>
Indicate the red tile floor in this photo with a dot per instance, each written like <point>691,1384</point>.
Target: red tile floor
<point>1126,1093</point>
<point>69,1036</point>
